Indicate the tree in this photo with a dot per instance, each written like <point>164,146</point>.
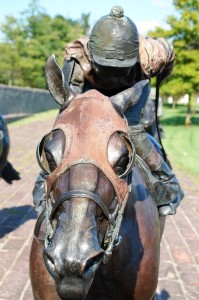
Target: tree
<point>184,34</point>
<point>30,40</point>
<point>84,21</point>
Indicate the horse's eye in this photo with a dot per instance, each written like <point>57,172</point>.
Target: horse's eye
<point>121,154</point>
<point>122,165</point>
<point>50,160</point>
<point>50,150</point>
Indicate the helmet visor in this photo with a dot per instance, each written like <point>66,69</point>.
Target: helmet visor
<point>119,62</point>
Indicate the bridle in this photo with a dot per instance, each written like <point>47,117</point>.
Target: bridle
<point>112,238</point>
<point>120,184</point>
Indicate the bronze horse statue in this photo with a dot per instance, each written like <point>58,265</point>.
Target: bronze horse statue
<point>99,234</point>
<point>7,171</point>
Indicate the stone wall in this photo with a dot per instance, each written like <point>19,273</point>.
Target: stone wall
<point>17,100</point>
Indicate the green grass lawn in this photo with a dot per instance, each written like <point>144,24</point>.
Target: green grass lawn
<point>182,142</point>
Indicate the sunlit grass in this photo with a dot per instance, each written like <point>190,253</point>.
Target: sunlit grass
<point>182,142</point>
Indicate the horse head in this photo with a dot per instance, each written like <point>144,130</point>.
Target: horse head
<point>87,157</point>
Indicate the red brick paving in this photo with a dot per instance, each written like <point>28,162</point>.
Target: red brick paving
<point>179,268</point>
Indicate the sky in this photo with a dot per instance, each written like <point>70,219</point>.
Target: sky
<point>145,13</point>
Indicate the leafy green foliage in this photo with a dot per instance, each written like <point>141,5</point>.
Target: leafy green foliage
<point>30,40</point>
<point>184,34</point>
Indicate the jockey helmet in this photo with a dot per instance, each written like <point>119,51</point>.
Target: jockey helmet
<point>114,40</point>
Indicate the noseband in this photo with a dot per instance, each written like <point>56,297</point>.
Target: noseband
<point>79,194</point>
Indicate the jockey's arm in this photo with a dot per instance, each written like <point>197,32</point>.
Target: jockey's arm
<point>73,74</point>
<point>156,57</point>
<point>77,64</point>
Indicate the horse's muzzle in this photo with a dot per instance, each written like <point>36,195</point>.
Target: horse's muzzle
<point>72,268</point>
<point>73,278</point>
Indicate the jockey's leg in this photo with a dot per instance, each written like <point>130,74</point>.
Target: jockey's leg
<point>168,191</point>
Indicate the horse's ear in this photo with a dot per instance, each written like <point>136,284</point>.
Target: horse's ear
<point>132,95</point>
<point>61,92</point>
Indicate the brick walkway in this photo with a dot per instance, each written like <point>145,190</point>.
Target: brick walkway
<point>179,269</point>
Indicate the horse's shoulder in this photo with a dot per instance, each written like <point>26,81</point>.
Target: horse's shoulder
<point>142,183</point>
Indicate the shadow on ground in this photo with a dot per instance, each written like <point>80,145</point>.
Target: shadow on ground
<point>164,295</point>
<point>179,121</point>
<point>11,218</point>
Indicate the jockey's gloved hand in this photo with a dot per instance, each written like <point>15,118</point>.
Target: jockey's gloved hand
<point>165,73</point>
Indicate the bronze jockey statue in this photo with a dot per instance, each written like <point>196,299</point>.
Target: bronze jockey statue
<point>113,58</point>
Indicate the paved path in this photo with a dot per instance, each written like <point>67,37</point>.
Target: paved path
<point>179,268</point>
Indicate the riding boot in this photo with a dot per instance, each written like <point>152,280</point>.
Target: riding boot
<point>168,192</point>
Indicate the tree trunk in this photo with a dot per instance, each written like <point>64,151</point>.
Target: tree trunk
<point>189,112</point>
<point>174,103</point>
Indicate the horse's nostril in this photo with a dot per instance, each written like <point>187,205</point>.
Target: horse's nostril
<point>50,264</point>
<point>92,264</point>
